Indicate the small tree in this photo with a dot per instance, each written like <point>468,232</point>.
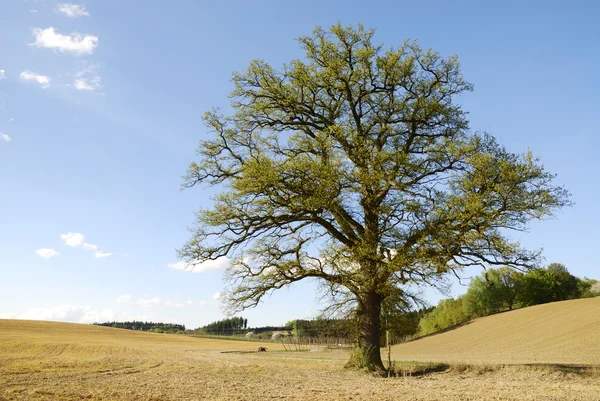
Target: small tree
<point>355,166</point>
<point>552,284</point>
<point>479,299</point>
<point>508,285</point>
<point>589,288</point>
<point>494,291</point>
<point>565,285</point>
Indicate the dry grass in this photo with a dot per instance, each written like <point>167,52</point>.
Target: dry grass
<point>557,333</point>
<point>59,361</point>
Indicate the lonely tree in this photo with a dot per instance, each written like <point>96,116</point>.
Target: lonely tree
<point>356,166</point>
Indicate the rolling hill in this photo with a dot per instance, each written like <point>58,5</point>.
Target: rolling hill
<point>565,332</point>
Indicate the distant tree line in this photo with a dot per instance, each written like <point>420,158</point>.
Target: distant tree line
<point>404,325</point>
<point>502,289</point>
<point>235,326</point>
<point>319,327</point>
<point>401,325</point>
<point>231,326</point>
<point>153,327</point>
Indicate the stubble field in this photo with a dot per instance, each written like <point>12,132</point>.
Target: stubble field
<point>60,361</point>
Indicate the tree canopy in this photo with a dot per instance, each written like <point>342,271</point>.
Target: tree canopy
<point>354,165</point>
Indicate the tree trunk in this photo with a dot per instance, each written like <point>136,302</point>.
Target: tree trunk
<point>367,353</point>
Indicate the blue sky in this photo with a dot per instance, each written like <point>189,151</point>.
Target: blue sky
<point>100,114</point>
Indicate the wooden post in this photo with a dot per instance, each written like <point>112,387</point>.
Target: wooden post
<point>389,349</point>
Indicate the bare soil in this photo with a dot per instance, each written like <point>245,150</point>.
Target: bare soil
<point>59,361</point>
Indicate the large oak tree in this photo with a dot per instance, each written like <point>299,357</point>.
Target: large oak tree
<point>356,166</point>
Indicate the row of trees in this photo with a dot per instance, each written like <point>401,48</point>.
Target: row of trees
<point>154,327</point>
<point>503,289</point>
<point>235,326</point>
<point>320,327</point>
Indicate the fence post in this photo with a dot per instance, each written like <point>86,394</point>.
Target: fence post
<point>389,349</point>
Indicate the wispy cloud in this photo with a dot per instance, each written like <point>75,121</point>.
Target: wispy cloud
<point>43,80</point>
<point>5,137</point>
<point>74,43</point>
<point>47,253</point>
<point>195,267</point>
<point>124,298</point>
<point>204,302</point>
<point>72,10</point>
<point>87,79</point>
<point>83,84</point>
<point>2,75</point>
<point>73,313</point>
<point>215,297</point>
<point>149,302</point>
<point>75,240</point>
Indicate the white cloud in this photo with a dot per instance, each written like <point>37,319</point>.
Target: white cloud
<point>47,253</point>
<point>34,11</point>
<point>5,137</point>
<point>209,265</point>
<point>8,316</point>
<point>72,10</point>
<point>75,43</point>
<point>31,76</point>
<point>74,314</point>
<point>204,302</point>
<point>2,75</point>
<point>85,84</point>
<point>87,79</point>
<point>78,240</point>
<point>82,85</point>
<point>73,239</point>
<point>149,302</point>
<point>189,302</point>
<point>67,313</point>
<point>124,298</point>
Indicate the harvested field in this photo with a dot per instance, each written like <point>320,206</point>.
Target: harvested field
<point>60,361</point>
<point>557,333</point>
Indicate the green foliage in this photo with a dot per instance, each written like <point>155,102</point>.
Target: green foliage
<point>554,283</point>
<point>234,325</point>
<point>361,152</point>
<point>403,325</point>
<point>321,327</point>
<point>502,289</point>
<point>448,313</point>
<point>494,291</point>
<point>589,288</point>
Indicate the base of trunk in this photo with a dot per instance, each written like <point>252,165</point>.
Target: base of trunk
<point>367,360</point>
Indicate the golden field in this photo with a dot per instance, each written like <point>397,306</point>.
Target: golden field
<point>565,332</point>
<point>62,361</point>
